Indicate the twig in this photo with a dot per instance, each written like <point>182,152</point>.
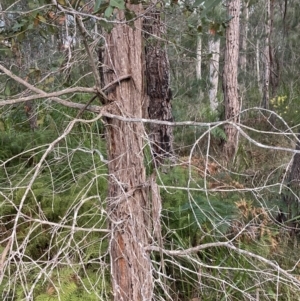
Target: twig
<point>85,107</point>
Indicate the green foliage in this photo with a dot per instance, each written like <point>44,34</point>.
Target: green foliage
<point>72,180</point>
<point>195,218</point>
<point>286,106</point>
<point>218,133</point>
<point>119,4</point>
<point>211,212</point>
<point>192,214</point>
<point>67,284</point>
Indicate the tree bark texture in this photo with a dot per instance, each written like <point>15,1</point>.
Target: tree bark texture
<point>214,50</point>
<point>128,206</point>
<point>230,83</point>
<point>158,86</point>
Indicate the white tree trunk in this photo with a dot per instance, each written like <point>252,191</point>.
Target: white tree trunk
<point>257,66</point>
<point>198,57</point>
<point>214,50</point>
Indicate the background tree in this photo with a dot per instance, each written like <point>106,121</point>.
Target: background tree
<point>214,49</point>
<point>214,62</point>
<point>199,57</point>
<point>267,60</point>
<point>158,84</point>
<point>230,83</point>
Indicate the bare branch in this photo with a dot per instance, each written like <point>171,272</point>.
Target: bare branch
<point>53,95</point>
<point>228,245</point>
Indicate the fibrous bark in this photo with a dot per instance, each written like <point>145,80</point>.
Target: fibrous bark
<point>230,83</point>
<point>158,86</point>
<point>128,198</point>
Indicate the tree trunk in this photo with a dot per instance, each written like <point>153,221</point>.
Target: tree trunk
<point>266,92</point>
<point>158,86</point>
<point>199,57</point>
<point>274,61</point>
<point>230,83</point>
<point>128,207</point>
<point>214,50</point>
<point>257,57</point>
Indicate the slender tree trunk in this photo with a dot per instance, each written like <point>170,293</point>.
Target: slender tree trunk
<point>274,62</point>
<point>266,91</point>
<point>257,52</point>
<point>199,57</point>
<point>230,83</point>
<point>214,50</point>
<point>158,86</point>
<point>128,206</point>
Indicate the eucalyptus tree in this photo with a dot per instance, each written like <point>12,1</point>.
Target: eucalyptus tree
<point>130,205</point>
<point>214,49</point>
<point>230,73</point>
